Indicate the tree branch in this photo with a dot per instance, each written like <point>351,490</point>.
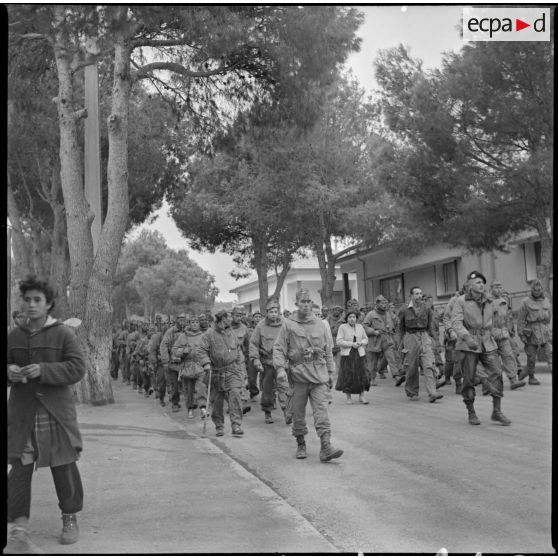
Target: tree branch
<point>146,70</point>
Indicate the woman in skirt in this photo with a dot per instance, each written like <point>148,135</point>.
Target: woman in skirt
<point>352,340</point>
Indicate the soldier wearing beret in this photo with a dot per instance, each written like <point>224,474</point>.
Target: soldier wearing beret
<point>472,321</point>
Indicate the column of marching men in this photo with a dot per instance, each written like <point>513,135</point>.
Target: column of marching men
<point>291,358</point>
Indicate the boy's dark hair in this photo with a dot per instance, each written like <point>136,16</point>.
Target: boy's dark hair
<point>32,283</point>
<point>413,288</point>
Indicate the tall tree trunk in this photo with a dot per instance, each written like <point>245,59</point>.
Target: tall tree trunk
<point>286,267</point>
<point>21,246</point>
<point>98,315</point>
<point>262,267</point>
<point>78,214</point>
<point>326,262</point>
<point>59,268</point>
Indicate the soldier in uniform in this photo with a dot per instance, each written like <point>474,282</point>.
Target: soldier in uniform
<point>502,322</point>
<point>303,347</point>
<point>240,329</point>
<point>154,362</point>
<point>171,366</point>
<point>453,364</point>
<point>261,357</point>
<point>191,375</point>
<point>533,328</point>
<point>472,321</point>
<point>380,328</point>
<point>221,356</point>
<point>131,342</point>
<point>417,329</point>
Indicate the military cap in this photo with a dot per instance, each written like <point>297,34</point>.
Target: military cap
<point>273,303</point>
<point>181,315</point>
<point>476,275</point>
<point>302,292</point>
<point>496,282</point>
<point>240,309</point>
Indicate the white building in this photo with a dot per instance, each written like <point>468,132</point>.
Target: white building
<point>303,273</point>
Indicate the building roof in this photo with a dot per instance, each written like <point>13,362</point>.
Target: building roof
<point>301,263</point>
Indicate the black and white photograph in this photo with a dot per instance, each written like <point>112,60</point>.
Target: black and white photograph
<point>279,279</point>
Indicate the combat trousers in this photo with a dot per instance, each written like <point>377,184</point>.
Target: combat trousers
<point>417,348</point>
<point>195,392</point>
<point>491,366</point>
<point>317,394</point>
<point>67,482</point>
<point>234,401</point>
<point>126,370</point>
<point>269,385</point>
<point>171,377</point>
<point>509,365</point>
<point>135,373</point>
<point>376,361</point>
<point>160,381</point>
<point>532,350</point>
<point>252,380</point>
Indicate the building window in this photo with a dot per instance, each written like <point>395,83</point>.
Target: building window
<point>392,288</point>
<point>447,281</point>
<point>538,252</point>
<point>449,274</point>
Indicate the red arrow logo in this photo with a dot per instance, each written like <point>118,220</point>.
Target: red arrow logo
<point>519,25</point>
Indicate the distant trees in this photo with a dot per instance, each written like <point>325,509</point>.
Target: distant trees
<point>151,278</point>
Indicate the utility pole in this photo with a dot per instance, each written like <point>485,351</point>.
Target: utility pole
<point>92,158</point>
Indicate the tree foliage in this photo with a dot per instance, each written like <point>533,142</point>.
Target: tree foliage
<point>153,278</point>
<point>469,155</point>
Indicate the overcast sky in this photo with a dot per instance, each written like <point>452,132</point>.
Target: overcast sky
<point>427,30</point>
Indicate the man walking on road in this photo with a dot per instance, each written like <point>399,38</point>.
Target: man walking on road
<point>171,366</point>
<point>416,325</point>
<point>472,321</point>
<point>502,322</point>
<point>533,328</point>
<point>220,355</point>
<point>261,355</point>
<point>379,327</point>
<point>304,347</point>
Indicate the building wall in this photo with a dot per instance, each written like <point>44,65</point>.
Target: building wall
<point>308,277</point>
<point>514,268</point>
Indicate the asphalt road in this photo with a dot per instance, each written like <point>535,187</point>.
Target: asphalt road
<point>415,476</point>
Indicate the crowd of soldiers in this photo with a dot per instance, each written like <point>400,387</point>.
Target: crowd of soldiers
<point>224,362</point>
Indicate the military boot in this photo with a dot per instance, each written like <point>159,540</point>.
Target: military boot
<point>300,448</point>
<point>458,385</point>
<point>18,541</point>
<point>327,452</point>
<point>497,414</point>
<point>70,529</point>
<point>473,419</point>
